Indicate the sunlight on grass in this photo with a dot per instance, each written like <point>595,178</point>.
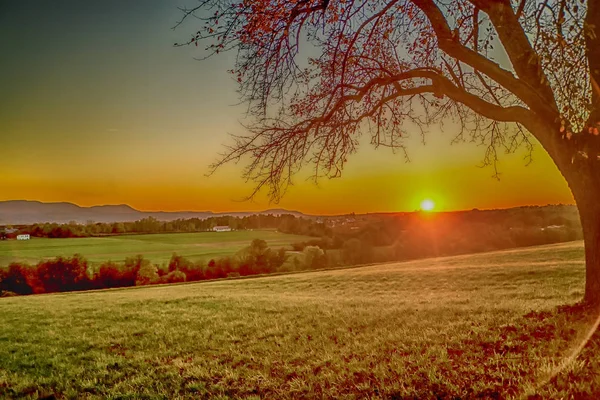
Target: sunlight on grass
<point>488,325</point>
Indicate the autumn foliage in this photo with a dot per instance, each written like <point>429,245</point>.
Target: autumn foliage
<point>73,274</point>
<point>353,240</point>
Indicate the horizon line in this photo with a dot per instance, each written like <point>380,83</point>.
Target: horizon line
<point>283,209</point>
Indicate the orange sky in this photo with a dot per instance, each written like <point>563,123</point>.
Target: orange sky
<point>105,111</point>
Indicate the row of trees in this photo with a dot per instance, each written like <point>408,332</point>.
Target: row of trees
<point>384,241</point>
<point>380,238</point>
<point>284,223</point>
<point>385,225</point>
<point>425,238</point>
<point>75,273</point>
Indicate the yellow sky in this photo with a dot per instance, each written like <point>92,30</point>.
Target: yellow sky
<point>105,111</point>
<point>168,176</point>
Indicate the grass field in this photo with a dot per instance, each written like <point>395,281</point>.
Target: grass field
<point>490,325</point>
<point>158,248</point>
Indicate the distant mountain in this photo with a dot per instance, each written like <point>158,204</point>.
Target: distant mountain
<point>24,212</point>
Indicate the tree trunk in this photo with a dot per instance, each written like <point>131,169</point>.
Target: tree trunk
<point>585,186</point>
<point>590,221</point>
<point>583,177</point>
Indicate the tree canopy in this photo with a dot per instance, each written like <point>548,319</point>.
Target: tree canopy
<point>316,74</point>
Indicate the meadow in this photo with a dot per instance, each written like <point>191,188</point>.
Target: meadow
<point>491,325</point>
<point>158,248</point>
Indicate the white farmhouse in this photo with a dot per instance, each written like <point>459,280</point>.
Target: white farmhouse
<point>222,229</point>
<point>23,237</point>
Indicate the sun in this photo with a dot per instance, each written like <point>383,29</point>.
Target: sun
<point>427,205</point>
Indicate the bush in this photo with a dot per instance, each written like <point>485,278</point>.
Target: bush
<point>15,279</point>
<point>219,268</point>
<point>356,252</point>
<point>64,274</point>
<point>111,275</point>
<point>147,274</point>
<point>314,257</point>
<point>195,272</point>
<point>293,262</point>
<point>192,271</point>
<point>173,277</point>
<point>179,263</point>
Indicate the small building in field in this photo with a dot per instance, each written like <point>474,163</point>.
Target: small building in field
<point>222,229</point>
<point>23,237</point>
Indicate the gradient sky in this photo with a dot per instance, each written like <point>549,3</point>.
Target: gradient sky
<point>98,107</point>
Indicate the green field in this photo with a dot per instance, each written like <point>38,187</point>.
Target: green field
<point>479,326</point>
<point>158,248</point>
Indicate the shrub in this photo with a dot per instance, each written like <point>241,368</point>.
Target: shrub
<point>277,259</point>
<point>173,277</point>
<point>179,263</point>
<point>14,279</point>
<point>147,274</point>
<point>356,252</point>
<point>162,270</point>
<point>293,262</point>
<point>196,271</point>
<point>64,274</point>
<point>313,257</point>
<point>193,271</point>
<point>219,268</point>
<point>112,275</point>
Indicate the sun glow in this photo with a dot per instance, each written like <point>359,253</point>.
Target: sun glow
<point>427,205</point>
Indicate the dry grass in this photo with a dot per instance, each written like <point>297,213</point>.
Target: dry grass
<point>480,326</point>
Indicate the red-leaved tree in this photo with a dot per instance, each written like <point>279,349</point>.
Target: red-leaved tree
<point>317,73</point>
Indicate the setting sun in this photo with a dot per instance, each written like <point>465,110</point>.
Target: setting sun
<point>427,205</point>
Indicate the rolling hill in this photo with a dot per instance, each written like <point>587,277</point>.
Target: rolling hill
<point>484,326</point>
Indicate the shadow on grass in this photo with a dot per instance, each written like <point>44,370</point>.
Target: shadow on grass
<point>548,354</point>
<point>541,355</point>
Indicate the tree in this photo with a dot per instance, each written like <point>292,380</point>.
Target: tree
<point>147,273</point>
<point>64,274</point>
<point>356,251</point>
<point>317,73</point>
<point>314,257</point>
<point>14,279</point>
<point>118,227</point>
<point>256,258</point>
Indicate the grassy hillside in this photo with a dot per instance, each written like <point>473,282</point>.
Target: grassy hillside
<point>158,248</point>
<point>481,326</point>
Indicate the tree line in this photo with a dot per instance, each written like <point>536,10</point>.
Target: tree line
<point>407,236</point>
<point>354,241</point>
<point>285,223</point>
<point>426,238</point>
<point>64,274</point>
